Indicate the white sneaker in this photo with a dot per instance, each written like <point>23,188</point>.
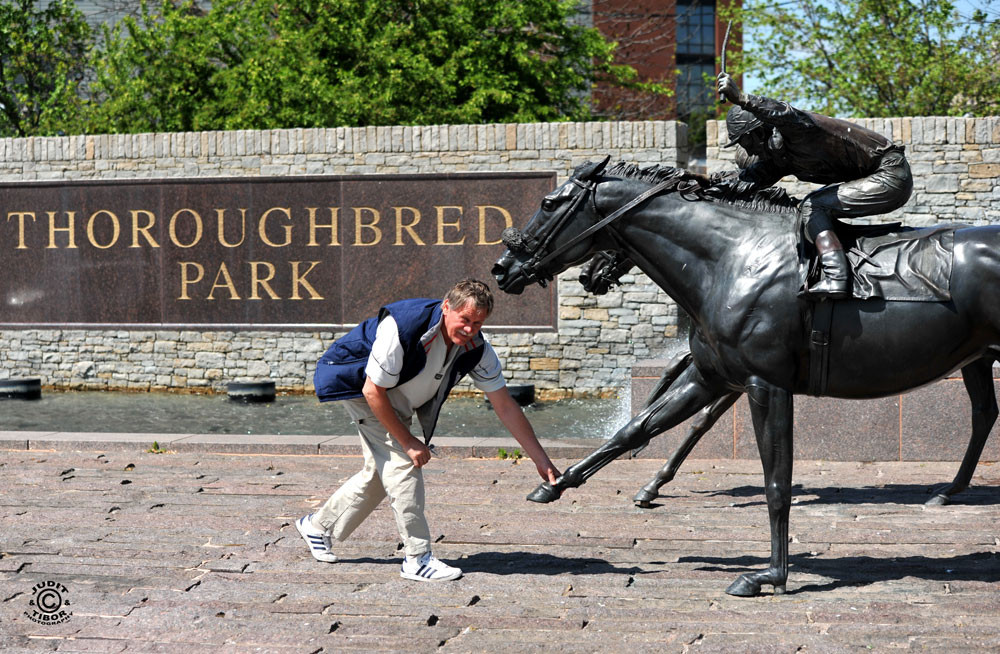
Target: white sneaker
<point>428,568</point>
<point>318,541</point>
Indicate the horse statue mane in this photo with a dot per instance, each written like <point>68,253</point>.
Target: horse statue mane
<point>769,200</point>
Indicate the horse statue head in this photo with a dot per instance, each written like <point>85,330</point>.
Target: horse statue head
<point>578,219</point>
<point>554,238</point>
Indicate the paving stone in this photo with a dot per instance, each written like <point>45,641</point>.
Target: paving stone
<point>199,554</point>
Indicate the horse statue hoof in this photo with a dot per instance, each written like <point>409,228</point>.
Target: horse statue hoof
<point>938,500</point>
<point>747,586</point>
<point>544,494</point>
<point>744,587</point>
<point>643,499</point>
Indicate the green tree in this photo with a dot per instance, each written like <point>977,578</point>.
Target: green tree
<point>43,58</point>
<point>253,64</point>
<point>874,57</point>
<point>157,71</point>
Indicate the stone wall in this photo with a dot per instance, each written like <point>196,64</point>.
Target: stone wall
<point>955,161</point>
<point>591,353</point>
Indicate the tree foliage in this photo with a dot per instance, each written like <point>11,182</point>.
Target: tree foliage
<point>253,64</point>
<point>874,57</point>
<point>42,65</point>
<point>158,71</point>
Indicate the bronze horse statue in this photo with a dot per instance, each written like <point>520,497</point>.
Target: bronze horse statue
<point>735,268</point>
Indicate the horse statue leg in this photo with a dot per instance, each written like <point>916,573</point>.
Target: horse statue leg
<point>978,378</point>
<point>771,410</point>
<point>683,399</point>
<point>675,367</point>
<point>704,421</point>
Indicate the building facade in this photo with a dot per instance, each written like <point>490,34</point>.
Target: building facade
<point>675,42</point>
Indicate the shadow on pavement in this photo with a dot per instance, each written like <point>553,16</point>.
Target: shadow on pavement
<point>850,571</point>
<point>888,494</point>
<point>515,563</point>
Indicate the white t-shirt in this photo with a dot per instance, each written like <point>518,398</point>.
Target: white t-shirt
<point>386,363</point>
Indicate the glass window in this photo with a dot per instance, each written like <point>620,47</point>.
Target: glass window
<point>693,92</point>
<point>695,54</point>
<point>696,27</point>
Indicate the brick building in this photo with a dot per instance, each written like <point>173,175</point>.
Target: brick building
<point>657,38</point>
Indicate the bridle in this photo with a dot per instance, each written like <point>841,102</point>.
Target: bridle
<point>536,247</point>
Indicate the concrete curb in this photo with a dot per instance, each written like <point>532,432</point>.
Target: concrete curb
<point>449,447</point>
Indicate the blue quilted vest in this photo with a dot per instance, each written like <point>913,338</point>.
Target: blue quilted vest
<point>340,372</point>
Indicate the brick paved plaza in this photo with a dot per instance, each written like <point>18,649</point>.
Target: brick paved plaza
<point>195,551</point>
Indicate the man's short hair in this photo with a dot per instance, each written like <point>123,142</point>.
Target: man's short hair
<point>471,290</point>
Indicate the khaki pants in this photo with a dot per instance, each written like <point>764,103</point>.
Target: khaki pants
<point>387,471</point>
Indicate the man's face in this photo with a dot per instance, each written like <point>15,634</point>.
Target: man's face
<point>461,324</point>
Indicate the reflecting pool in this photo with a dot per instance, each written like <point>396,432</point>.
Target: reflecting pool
<point>115,412</point>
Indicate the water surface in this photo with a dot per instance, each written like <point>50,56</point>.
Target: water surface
<point>174,413</point>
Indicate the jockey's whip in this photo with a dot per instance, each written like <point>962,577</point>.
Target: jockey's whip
<point>725,44</point>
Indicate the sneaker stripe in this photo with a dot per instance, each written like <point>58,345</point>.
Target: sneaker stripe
<point>320,545</point>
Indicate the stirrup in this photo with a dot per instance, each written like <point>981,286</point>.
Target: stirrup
<point>830,288</point>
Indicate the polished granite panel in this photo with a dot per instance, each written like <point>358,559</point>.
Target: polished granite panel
<point>937,424</point>
<point>407,238</point>
<point>272,263</point>
<point>68,260</point>
<point>832,429</point>
<point>253,252</point>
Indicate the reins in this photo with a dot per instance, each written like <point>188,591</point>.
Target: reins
<point>604,222</point>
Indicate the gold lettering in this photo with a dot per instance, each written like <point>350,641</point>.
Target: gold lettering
<point>186,281</point>
<point>332,225</point>
<point>257,281</point>
<point>507,222</point>
<point>298,279</point>
<point>70,224</point>
<point>136,230</point>
<point>20,226</point>
<point>262,227</point>
<point>442,223</point>
<point>221,213</point>
<point>359,225</point>
<point>227,284</point>
<point>400,225</point>
<point>197,230</point>
<point>115,229</point>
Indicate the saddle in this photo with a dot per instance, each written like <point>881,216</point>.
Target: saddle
<point>888,262</point>
<point>892,262</point>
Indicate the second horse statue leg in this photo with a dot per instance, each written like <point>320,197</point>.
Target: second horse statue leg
<point>707,417</point>
<point>689,393</point>
<point>978,378</point>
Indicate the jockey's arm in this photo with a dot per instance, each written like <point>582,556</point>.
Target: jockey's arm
<point>759,175</point>
<point>771,112</point>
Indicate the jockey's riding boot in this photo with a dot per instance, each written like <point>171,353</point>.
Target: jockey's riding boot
<point>835,279</point>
